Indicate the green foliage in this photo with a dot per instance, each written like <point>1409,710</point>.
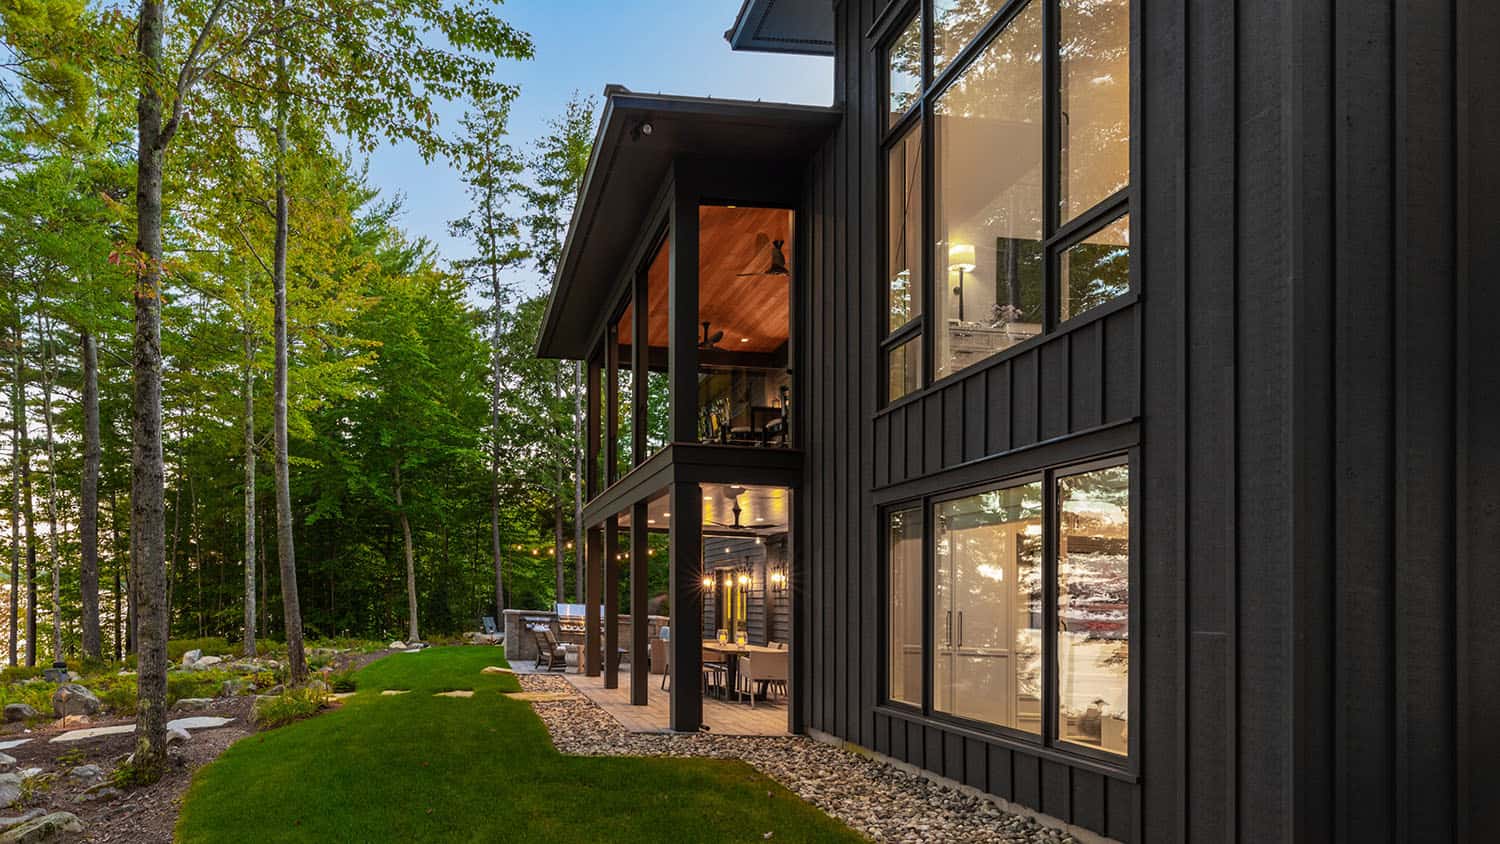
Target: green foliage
<point>343,681</point>
<point>447,772</point>
<point>294,704</point>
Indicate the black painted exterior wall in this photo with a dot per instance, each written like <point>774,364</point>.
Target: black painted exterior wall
<point>1310,386</point>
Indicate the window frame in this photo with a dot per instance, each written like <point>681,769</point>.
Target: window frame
<point>1049,741</point>
<point>1057,234</point>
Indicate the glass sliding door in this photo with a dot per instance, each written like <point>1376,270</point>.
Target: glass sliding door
<point>988,607</point>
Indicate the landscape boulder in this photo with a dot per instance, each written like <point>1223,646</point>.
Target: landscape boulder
<point>234,688</point>
<point>7,761</point>
<point>193,704</point>
<point>86,775</point>
<point>191,657</point>
<point>7,823</point>
<point>206,662</point>
<point>42,828</point>
<point>18,712</point>
<point>397,645</point>
<point>176,736</point>
<point>73,699</point>
<point>10,789</point>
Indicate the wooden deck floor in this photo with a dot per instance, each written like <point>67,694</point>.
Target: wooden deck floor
<point>726,718</point>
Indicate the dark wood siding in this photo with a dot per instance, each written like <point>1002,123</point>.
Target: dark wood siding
<point>1308,375</point>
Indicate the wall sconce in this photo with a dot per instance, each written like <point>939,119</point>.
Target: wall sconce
<point>778,580</point>
<point>744,579</point>
<point>961,257</point>
<point>708,581</point>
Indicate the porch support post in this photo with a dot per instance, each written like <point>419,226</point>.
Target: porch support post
<point>595,586</point>
<point>640,367</point>
<point>682,354</point>
<point>612,603</point>
<point>591,469</point>
<point>612,404</point>
<point>640,553</point>
<point>687,607</point>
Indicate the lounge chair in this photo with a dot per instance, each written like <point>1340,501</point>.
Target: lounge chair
<point>551,654</point>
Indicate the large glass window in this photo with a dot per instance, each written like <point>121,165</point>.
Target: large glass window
<point>995,658</point>
<point>904,642</point>
<point>1093,102</point>
<point>970,109</point>
<point>988,608</point>
<point>1093,608</point>
<point>987,135</point>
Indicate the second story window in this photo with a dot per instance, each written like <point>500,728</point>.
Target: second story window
<point>1006,196</point>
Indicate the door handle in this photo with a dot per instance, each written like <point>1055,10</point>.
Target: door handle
<point>948,639</point>
<point>960,628</point>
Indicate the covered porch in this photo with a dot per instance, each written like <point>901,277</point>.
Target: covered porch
<point>677,287</point>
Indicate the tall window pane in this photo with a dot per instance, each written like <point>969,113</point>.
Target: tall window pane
<point>988,195</point>
<point>903,204</point>
<point>1094,102</point>
<point>904,71</point>
<point>904,642</point>
<point>905,365</point>
<point>1093,608</point>
<point>954,25</point>
<point>1095,270</point>
<point>988,607</point>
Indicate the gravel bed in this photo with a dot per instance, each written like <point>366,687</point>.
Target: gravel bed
<point>870,796</point>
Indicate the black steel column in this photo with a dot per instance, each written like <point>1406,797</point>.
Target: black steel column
<point>682,354</point>
<point>687,606</point>
<point>612,603</point>
<point>594,574</point>
<point>640,556</point>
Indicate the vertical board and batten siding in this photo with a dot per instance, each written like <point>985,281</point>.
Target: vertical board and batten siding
<point>1310,366</point>
<point>1079,380</point>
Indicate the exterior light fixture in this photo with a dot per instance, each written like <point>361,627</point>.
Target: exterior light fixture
<point>961,258</point>
<point>744,580</point>
<point>708,581</point>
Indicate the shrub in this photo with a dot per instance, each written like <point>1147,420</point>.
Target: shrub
<point>287,707</point>
<point>343,681</point>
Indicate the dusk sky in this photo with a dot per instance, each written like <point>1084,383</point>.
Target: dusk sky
<point>667,46</point>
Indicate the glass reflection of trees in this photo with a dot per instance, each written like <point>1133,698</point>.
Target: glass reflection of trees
<point>1093,606</point>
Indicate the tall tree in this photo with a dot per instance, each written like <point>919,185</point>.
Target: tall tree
<point>18,451</point>
<point>490,168</point>
<point>558,165</point>
<point>88,519</point>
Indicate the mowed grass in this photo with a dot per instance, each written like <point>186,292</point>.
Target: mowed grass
<point>416,767</point>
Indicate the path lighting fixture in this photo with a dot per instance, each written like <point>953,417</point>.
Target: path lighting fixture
<point>961,258</point>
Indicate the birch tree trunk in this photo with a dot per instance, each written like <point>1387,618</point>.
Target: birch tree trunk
<point>18,450</point>
<point>148,474</point>
<point>88,519</point>
<point>495,551</point>
<point>412,634</point>
<point>286,553</point>
<point>123,616</point>
<point>54,554</point>
<point>249,479</point>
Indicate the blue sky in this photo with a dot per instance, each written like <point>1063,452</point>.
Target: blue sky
<point>667,46</point>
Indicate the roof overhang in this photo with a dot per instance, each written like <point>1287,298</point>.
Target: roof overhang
<point>627,168</point>
<point>784,26</point>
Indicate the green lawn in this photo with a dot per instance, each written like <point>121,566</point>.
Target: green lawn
<point>415,767</point>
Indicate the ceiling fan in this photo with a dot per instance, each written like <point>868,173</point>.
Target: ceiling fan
<point>778,257</point>
<point>709,341</point>
<point>733,493</point>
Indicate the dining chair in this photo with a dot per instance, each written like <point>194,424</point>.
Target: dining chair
<point>768,668</point>
<point>715,671</point>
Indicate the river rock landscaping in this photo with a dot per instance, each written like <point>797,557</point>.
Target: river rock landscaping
<point>872,797</point>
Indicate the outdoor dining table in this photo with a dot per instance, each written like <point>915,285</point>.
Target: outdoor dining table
<point>731,653</point>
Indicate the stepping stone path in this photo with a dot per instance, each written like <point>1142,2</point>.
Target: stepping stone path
<point>7,745</point>
<point>389,692</point>
<point>456,693</point>
<point>545,697</point>
<point>343,695</point>
<point>201,722</point>
<point>495,669</point>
